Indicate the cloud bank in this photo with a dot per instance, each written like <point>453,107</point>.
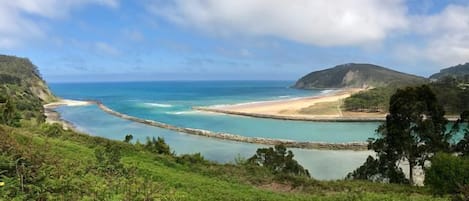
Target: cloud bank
<point>319,22</point>
<point>20,19</point>
<point>447,35</point>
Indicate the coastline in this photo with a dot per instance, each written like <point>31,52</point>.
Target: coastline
<point>54,117</point>
<point>323,108</point>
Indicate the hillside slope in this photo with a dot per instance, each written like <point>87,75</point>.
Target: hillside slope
<point>22,73</point>
<point>459,71</point>
<point>356,76</point>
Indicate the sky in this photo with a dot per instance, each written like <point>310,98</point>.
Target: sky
<point>124,40</point>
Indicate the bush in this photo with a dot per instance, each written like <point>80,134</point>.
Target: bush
<point>191,159</point>
<point>447,174</point>
<point>463,194</point>
<point>278,160</point>
<point>52,130</point>
<point>157,146</point>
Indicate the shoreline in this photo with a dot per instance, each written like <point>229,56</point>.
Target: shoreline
<point>291,109</point>
<point>49,110</point>
<point>310,108</point>
<point>53,116</point>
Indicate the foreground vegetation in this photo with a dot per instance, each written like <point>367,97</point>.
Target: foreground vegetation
<point>50,163</point>
<point>416,131</point>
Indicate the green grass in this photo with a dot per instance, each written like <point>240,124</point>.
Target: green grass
<point>70,170</point>
<point>323,108</point>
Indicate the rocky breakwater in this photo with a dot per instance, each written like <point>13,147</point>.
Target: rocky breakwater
<point>357,146</point>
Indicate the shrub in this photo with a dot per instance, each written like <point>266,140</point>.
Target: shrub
<point>447,173</point>
<point>278,160</point>
<point>52,130</point>
<point>157,146</point>
<point>190,159</point>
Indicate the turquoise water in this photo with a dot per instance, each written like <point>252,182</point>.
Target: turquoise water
<point>171,102</point>
<point>322,164</point>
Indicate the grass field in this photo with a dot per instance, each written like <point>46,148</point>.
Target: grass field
<point>72,166</point>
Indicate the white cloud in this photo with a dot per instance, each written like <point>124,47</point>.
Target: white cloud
<point>319,22</point>
<point>445,37</point>
<point>20,19</point>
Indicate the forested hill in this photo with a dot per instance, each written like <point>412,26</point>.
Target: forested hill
<point>458,71</point>
<point>20,73</point>
<point>356,75</point>
<point>21,89</point>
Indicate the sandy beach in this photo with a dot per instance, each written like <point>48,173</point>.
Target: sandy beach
<point>325,107</point>
<point>67,102</point>
<point>54,117</point>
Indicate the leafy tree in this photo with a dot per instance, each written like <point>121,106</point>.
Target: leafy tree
<point>157,146</point>
<point>278,160</point>
<point>463,145</point>
<point>128,138</point>
<point>415,129</point>
<point>378,171</point>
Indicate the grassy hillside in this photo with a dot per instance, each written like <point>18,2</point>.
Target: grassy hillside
<point>452,93</point>
<point>21,84</point>
<point>57,164</point>
<point>356,75</point>
<point>459,71</point>
<point>22,73</point>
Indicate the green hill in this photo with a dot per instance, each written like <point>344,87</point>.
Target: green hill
<point>458,71</point>
<point>21,84</point>
<point>356,76</point>
<point>22,73</point>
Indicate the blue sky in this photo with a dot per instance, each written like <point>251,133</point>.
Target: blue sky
<point>117,40</point>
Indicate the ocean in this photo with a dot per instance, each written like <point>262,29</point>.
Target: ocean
<point>171,102</point>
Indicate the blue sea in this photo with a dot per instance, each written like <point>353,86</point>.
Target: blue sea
<point>172,101</point>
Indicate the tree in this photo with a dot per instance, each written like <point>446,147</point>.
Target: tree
<point>278,160</point>
<point>128,138</point>
<point>157,146</point>
<point>415,129</point>
<point>463,145</point>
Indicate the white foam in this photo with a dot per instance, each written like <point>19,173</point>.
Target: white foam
<point>159,105</point>
<point>327,91</point>
<point>181,112</point>
<point>192,112</point>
